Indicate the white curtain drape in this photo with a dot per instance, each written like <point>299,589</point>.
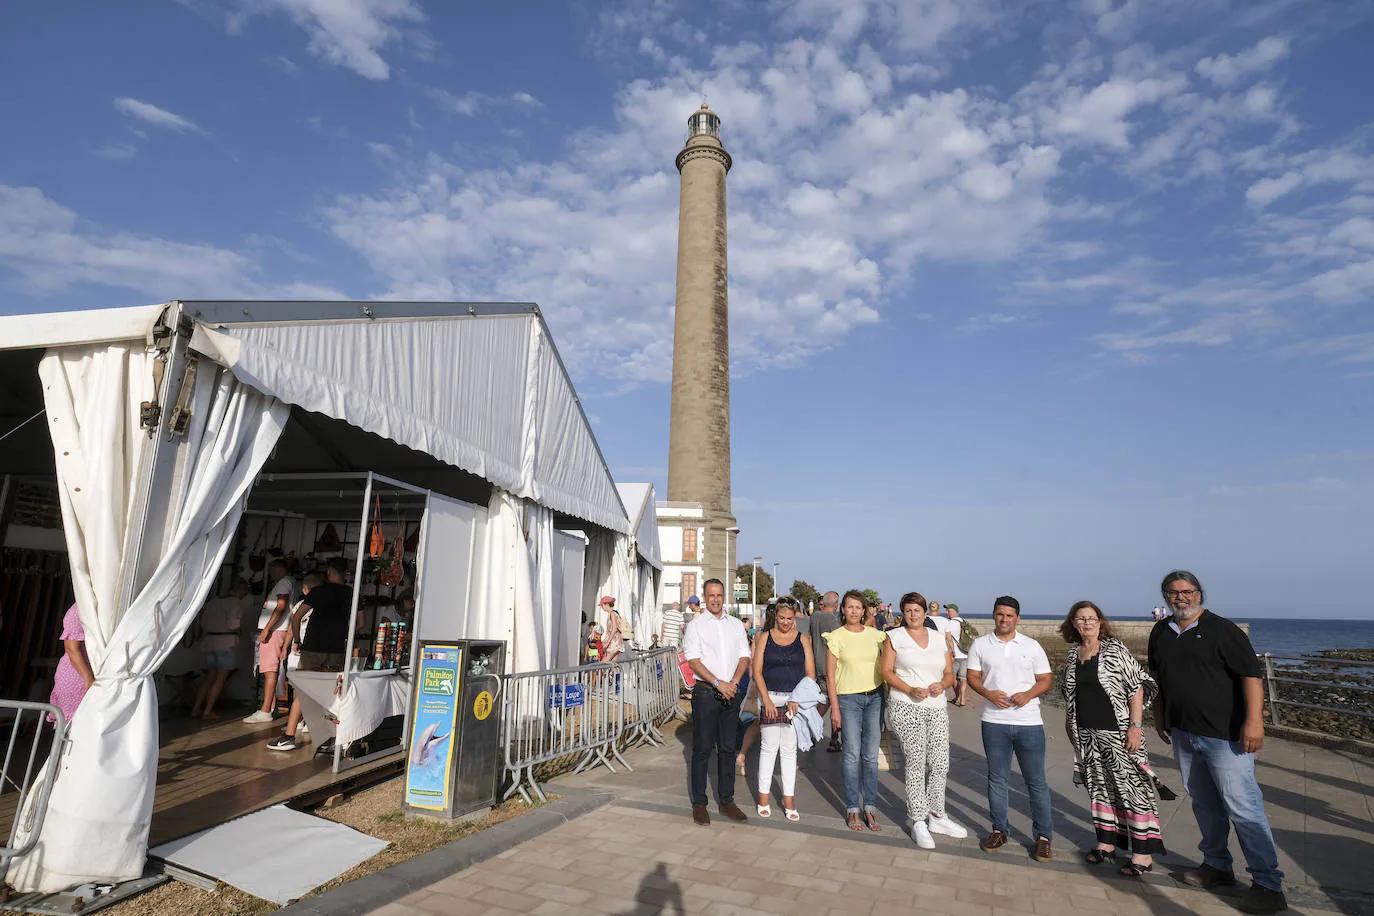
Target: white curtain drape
<point>92,394</point>
<point>102,800</point>
<point>539,545</point>
<point>650,611</point>
<point>505,596</point>
<point>610,571</point>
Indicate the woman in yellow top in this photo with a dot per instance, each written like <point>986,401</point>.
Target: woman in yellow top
<point>856,706</point>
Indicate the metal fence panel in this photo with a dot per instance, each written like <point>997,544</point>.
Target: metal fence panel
<point>25,784</point>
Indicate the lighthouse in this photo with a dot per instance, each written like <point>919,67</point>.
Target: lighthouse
<point>699,440</point>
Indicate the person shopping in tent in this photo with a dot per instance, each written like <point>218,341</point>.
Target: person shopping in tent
<point>613,643</point>
<point>74,675</point>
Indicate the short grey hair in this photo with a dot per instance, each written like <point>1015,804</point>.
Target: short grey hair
<point>830,600</point>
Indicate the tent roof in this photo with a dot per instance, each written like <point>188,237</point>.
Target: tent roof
<point>640,504</point>
<point>88,326</point>
<point>480,386</point>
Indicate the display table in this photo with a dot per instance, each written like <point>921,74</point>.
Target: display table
<point>357,701</point>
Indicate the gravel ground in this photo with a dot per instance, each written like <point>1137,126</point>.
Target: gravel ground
<point>376,812</point>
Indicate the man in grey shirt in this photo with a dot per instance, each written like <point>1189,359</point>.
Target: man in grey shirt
<point>823,621</point>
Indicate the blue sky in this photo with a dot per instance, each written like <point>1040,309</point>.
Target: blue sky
<point>1036,297</point>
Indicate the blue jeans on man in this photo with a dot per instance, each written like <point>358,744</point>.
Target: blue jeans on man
<point>861,718</point>
<point>1028,743</point>
<point>1220,778</point>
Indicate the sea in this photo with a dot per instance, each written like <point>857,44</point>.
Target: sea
<point>1294,637</point>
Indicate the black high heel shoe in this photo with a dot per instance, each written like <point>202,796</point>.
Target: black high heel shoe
<point>1098,856</point>
<point>1134,869</point>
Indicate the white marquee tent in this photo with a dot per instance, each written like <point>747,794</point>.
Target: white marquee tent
<point>162,417</point>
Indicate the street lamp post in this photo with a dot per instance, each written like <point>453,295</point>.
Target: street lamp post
<point>775,579</point>
<point>729,570</point>
<point>754,586</point>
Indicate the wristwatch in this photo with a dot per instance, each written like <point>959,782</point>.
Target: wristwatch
<point>1140,725</point>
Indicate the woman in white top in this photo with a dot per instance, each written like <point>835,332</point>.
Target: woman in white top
<point>919,668</point>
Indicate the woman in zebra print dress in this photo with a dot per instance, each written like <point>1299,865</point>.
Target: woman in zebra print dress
<point>1107,690</point>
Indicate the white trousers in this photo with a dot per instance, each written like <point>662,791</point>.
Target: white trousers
<point>778,741</point>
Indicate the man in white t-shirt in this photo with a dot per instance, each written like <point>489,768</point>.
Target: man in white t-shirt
<point>1010,672</point>
<point>273,633</point>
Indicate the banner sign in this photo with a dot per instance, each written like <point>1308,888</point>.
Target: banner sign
<point>568,696</point>
<point>431,728</point>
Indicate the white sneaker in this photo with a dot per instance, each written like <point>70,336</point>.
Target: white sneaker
<point>258,718</point>
<point>302,727</point>
<point>947,827</point>
<point>921,834</point>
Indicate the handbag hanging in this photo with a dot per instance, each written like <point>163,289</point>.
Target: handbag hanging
<point>376,543</point>
<point>393,567</point>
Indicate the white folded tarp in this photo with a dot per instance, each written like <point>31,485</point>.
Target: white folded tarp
<point>276,854</point>
<point>102,800</point>
<point>484,393</point>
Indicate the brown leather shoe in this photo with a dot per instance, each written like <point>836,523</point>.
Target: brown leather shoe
<point>700,816</point>
<point>1043,853</point>
<point>995,841</point>
<point>732,811</point>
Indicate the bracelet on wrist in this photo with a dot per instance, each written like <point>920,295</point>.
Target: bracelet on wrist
<point>1136,725</point>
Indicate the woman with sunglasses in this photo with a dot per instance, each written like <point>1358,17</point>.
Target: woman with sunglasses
<point>782,658</point>
<point>919,669</point>
<point>856,706</point>
<point>1106,690</point>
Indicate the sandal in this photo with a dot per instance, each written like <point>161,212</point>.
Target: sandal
<point>765,810</point>
<point>1134,869</point>
<point>871,822</point>
<point>852,819</point>
<point>1098,856</point>
<point>739,767</point>
<point>792,814</point>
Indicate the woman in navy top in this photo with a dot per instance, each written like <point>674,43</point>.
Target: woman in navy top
<point>782,657</point>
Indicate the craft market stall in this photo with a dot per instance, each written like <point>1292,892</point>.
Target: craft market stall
<point>157,428</point>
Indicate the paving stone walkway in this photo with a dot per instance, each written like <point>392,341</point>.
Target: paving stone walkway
<point>641,854</point>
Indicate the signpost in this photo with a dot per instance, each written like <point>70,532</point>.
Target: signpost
<point>431,728</point>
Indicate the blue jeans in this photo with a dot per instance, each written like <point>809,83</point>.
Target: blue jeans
<point>1220,778</point>
<point>1028,741</point>
<point>861,719</point>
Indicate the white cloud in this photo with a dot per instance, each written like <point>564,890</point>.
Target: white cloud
<point>346,33</point>
<point>1101,113</point>
<point>1267,190</point>
<point>468,104</point>
<point>117,151</point>
<point>49,249</point>
<point>842,187</point>
<point>158,117</point>
<point>1229,69</point>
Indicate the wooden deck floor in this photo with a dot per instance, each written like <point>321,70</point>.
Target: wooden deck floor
<point>210,774</point>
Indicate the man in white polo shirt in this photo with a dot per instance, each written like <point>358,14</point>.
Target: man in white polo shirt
<point>717,648</point>
<point>1010,672</point>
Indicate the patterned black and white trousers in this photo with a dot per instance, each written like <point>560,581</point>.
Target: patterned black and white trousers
<point>924,733</point>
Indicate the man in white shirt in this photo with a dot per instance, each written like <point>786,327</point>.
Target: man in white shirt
<point>273,633</point>
<point>672,626</point>
<point>1010,672</point>
<point>717,649</point>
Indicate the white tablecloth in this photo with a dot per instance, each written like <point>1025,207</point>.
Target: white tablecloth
<point>358,701</point>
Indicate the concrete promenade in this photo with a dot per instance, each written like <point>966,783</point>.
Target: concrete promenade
<point>642,855</point>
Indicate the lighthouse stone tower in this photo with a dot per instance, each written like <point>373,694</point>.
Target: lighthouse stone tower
<point>699,442</point>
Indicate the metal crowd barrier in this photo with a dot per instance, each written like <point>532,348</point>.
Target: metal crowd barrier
<point>584,716</point>
<point>1276,699</point>
<point>25,784</point>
